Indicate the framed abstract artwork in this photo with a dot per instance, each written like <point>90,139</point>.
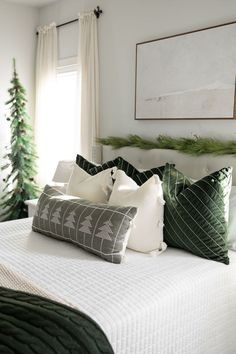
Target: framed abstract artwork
<point>190,75</point>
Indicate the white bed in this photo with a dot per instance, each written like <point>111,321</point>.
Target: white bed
<point>175,303</point>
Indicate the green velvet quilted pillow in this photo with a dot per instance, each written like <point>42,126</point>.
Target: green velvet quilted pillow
<point>196,214</point>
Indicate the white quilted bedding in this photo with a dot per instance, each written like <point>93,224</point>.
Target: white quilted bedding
<point>174,303</point>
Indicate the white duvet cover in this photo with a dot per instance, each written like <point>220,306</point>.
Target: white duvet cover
<point>175,303</point>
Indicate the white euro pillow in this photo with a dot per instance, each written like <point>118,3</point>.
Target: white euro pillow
<point>147,233</point>
<point>93,188</point>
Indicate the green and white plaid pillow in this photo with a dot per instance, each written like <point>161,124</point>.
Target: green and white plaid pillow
<point>196,214</point>
<point>98,228</point>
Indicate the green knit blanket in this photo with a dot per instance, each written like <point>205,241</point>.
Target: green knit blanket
<point>31,324</point>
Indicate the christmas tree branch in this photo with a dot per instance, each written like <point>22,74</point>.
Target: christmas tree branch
<point>192,146</point>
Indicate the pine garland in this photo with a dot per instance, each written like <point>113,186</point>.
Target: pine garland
<point>20,159</point>
<point>193,146</point>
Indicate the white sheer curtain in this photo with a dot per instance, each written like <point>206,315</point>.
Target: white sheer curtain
<point>45,119</point>
<point>89,84</point>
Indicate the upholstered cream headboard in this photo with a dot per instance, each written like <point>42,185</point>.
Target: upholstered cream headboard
<point>192,166</point>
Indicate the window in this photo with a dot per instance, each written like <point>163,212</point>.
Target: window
<point>59,125</point>
<point>67,124</point>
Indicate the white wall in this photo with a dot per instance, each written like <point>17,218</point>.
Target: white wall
<point>17,40</point>
<point>124,23</point>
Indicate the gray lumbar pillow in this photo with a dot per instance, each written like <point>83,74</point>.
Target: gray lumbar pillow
<point>98,228</point>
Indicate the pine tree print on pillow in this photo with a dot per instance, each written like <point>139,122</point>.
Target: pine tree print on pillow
<point>70,220</point>
<point>86,225</point>
<point>98,228</point>
<point>20,158</point>
<point>56,216</point>
<point>105,231</point>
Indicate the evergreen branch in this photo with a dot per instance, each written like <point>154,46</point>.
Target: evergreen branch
<point>193,146</point>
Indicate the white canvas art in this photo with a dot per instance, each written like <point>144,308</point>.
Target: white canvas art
<point>187,76</point>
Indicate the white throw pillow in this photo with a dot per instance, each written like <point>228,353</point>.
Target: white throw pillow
<point>232,220</point>
<point>147,234</point>
<point>94,188</point>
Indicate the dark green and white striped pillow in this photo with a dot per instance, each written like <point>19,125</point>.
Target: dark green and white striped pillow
<point>121,164</point>
<point>139,177</point>
<point>196,213</point>
<point>93,169</point>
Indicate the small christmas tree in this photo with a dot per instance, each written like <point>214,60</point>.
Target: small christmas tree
<point>45,212</point>
<point>70,220</point>
<point>86,225</point>
<point>56,216</point>
<point>105,231</point>
<point>20,157</point>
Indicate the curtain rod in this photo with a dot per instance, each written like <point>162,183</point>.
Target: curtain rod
<point>96,11</point>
